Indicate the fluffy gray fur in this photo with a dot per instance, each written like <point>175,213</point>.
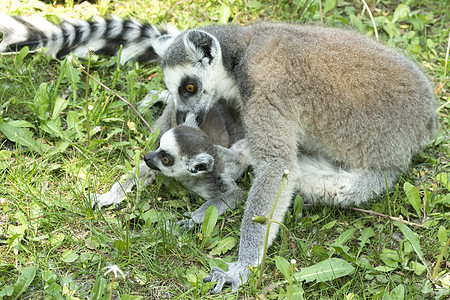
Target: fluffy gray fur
<point>343,113</point>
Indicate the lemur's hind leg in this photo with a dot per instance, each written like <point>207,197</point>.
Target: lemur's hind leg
<point>319,181</point>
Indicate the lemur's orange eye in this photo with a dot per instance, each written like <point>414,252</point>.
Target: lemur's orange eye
<point>190,88</point>
<point>165,160</point>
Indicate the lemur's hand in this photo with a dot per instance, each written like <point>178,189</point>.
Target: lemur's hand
<point>186,224</point>
<point>236,275</point>
<point>119,189</point>
<point>107,199</point>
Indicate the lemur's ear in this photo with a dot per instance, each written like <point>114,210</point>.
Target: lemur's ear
<point>161,44</point>
<point>201,163</point>
<point>202,47</point>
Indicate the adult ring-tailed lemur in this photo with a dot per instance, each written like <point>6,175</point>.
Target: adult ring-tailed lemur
<point>343,113</point>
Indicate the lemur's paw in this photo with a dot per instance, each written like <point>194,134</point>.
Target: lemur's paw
<point>103,200</point>
<point>186,224</point>
<point>236,275</point>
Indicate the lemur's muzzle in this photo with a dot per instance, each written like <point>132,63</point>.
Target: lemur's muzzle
<point>150,161</point>
<point>190,118</point>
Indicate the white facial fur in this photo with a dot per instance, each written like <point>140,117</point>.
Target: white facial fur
<point>216,83</point>
<point>183,166</point>
<point>169,144</point>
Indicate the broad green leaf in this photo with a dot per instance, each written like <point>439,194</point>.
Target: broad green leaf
<point>192,279</point>
<point>400,13</point>
<point>17,230</point>
<point>60,105</point>
<point>7,290</point>
<point>254,4</point>
<point>398,293</point>
<point>20,123</point>
<point>296,293</point>
<point>325,270</point>
<point>219,263</point>
<point>390,258</point>
<point>413,197</point>
<point>21,136</point>
<point>418,268</point>
<point>72,119</point>
<point>443,179</point>
<point>366,235</point>
<point>71,73</point>
<point>23,53</point>
<point>89,256</point>
<point>391,29</point>
<point>343,250</point>
<point>224,245</point>
<point>23,281</point>
<point>418,21</point>
<point>224,14</point>
<point>49,276</point>
<point>129,297</point>
<point>328,225</point>
<point>56,240</point>
<point>345,236</point>
<point>52,128</point>
<point>5,154</point>
<point>320,252</point>
<point>284,266</point>
<point>209,223</point>
<point>41,100</point>
<point>442,235</point>
<point>412,238</point>
<point>69,256</point>
<point>150,216</point>
<point>357,22</point>
<point>329,5</point>
<point>298,206</point>
<point>384,269</point>
<point>98,289</point>
<point>342,239</point>
<point>19,216</point>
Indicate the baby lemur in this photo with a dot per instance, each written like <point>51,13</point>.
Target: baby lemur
<point>351,109</point>
<point>189,155</point>
<point>207,161</point>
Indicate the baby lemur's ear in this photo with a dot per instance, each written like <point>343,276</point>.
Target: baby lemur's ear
<point>202,47</point>
<point>201,163</point>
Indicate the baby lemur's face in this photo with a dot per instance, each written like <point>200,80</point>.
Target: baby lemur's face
<point>183,151</point>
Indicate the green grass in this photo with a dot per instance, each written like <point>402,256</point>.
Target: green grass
<point>53,246</point>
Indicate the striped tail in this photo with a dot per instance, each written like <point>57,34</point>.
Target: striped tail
<point>141,42</point>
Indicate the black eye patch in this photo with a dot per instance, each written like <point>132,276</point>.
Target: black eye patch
<point>189,86</point>
<point>167,159</point>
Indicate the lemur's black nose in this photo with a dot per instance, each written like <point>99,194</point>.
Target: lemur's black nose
<point>181,117</point>
<point>150,161</point>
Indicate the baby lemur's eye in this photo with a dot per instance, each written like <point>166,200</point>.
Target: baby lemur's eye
<point>190,88</point>
<point>167,159</point>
